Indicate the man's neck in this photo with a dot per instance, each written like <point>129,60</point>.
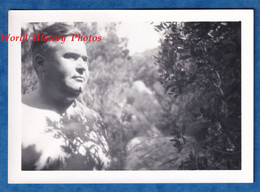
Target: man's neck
<point>42,100</point>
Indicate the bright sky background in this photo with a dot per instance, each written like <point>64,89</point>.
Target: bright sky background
<point>141,36</point>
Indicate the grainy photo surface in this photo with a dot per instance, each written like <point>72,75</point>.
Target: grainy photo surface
<point>100,96</point>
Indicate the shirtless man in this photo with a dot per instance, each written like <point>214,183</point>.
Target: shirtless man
<point>58,131</point>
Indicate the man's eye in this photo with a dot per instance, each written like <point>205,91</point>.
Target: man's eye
<point>85,59</point>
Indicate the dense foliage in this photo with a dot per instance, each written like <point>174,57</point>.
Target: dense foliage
<point>200,68</point>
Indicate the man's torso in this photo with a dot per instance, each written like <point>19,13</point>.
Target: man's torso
<point>72,141</point>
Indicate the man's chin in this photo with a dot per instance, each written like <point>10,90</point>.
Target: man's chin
<point>77,91</point>
<point>74,91</point>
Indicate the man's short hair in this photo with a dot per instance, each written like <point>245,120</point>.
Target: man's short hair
<point>56,29</point>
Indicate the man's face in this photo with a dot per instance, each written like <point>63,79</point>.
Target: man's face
<point>65,68</point>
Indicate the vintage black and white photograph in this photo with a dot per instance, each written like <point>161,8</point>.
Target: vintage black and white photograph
<point>152,95</point>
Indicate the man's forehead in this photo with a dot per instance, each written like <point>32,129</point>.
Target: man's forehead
<point>69,46</point>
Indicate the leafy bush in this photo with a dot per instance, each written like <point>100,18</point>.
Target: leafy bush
<point>200,68</point>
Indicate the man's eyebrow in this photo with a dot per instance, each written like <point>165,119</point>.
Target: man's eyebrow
<point>75,55</point>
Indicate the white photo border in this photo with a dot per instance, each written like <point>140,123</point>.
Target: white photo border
<point>245,175</point>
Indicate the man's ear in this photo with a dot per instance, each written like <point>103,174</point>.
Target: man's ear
<point>39,63</point>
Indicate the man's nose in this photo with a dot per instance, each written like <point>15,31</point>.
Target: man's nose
<point>81,66</point>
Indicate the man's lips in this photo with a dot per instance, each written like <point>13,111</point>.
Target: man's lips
<point>79,78</point>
